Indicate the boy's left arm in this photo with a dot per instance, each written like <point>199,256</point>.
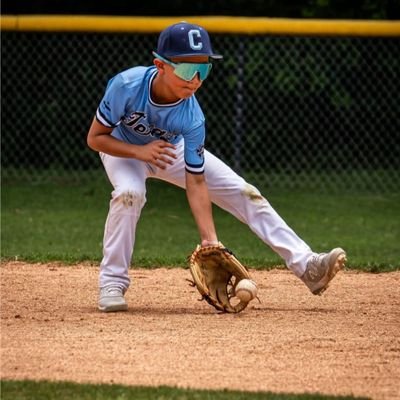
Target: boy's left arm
<point>200,204</point>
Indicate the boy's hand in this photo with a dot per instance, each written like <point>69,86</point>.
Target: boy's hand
<point>157,153</point>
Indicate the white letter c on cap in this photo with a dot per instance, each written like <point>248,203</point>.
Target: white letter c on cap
<point>192,34</point>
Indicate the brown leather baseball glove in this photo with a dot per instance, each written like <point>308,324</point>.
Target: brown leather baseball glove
<point>216,272</point>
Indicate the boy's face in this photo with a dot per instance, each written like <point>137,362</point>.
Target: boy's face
<point>181,88</point>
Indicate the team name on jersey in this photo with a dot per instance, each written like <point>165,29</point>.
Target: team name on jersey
<point>136,122</point>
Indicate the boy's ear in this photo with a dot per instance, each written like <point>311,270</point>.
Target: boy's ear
<point>159,64</point>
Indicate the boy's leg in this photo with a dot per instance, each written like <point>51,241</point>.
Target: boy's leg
<point>232,193</point>
<point>128,178</point>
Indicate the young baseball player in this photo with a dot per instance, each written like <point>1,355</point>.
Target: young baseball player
<point>150,125</point>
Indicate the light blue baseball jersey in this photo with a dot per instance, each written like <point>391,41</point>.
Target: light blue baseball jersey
<point>127,107</point>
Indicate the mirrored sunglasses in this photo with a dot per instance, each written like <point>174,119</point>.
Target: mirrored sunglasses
<point>187,71</point>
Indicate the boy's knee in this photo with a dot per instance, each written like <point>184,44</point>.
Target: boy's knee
<point>130,198</point>
<point>252,193</point>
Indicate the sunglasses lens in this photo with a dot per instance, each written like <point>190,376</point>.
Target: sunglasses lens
<point>188,71</point>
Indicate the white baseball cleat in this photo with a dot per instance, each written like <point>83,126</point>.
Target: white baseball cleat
<point>112,299</point>
<point>322,268</point>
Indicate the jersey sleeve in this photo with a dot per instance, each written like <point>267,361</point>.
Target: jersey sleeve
<point>194,150</point>
<point>113,104</point>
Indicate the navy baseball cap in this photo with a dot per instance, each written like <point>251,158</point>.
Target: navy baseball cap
<point>184,39</point>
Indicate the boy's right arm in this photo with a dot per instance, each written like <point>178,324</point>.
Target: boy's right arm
<point>157,152</point>
<point>200,204</point>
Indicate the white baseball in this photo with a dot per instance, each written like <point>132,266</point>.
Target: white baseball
<point>246,290</point>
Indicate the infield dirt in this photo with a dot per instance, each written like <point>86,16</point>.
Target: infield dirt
<point>344,342</point>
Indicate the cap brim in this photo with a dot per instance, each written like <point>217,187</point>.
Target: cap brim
<point>171,55</point>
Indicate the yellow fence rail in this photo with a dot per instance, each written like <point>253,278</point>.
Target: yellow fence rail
<point>238,25</point>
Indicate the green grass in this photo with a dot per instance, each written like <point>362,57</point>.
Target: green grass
<point>29,390</point>
<point>64,222</point>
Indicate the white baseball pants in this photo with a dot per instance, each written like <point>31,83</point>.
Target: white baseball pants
<point>227,190</point>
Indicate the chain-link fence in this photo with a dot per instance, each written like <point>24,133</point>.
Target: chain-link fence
<point>285,111</point>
